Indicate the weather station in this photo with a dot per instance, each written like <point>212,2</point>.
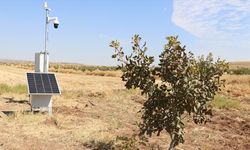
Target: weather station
<point>42,85</point>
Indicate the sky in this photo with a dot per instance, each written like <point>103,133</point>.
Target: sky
<point>88,26</point>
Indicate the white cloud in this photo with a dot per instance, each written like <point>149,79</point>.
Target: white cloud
<point>213,18</point>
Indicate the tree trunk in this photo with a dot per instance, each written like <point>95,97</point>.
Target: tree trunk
<point>171,146</point>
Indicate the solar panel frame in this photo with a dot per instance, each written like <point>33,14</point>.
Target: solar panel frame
<point>42,92</point>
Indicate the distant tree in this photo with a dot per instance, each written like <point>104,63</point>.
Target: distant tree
<point>180,85</point>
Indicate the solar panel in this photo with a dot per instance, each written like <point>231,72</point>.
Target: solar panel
<point>42,84</point>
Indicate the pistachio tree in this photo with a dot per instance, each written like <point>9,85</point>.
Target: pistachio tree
<point>179,86</point>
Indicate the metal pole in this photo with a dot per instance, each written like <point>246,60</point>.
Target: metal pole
<point>45,66</point>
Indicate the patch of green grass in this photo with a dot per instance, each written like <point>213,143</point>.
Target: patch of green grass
<point>222,102</point>
<point>240,71</point>
<point>17,89</point>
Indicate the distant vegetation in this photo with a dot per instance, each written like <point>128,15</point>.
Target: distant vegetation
<point>83,68</point>
<point>56,66</point>
<point>236,68</point>
<point>88,70</point>
<point>240,71</point>
<point>110,71</point>
<point>239,68</point>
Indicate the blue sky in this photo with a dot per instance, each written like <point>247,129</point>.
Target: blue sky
<point>88,26</point>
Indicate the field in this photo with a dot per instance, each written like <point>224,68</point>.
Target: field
<point>95,111</point>
<point>244,64</point>
<point>240,68</point>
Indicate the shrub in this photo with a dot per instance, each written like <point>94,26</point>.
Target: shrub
<point>187,85</point>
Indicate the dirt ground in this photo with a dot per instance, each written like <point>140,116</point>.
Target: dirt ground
<point>97,112</point>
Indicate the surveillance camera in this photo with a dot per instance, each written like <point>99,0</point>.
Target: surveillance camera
<point>56,23</point>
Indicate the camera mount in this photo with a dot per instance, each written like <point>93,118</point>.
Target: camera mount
<point>56,24</point>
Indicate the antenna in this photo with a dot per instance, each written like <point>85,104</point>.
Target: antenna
<point>45,5</point>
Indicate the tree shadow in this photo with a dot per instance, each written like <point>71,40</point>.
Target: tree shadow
<point>12,113</point>
<point>97,145</point>
<point>12,100</point>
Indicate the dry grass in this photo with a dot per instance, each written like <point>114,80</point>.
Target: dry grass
<point>97,112</point>
<point>237,86</point>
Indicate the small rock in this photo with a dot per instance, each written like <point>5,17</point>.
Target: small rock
<point>2,115</point>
